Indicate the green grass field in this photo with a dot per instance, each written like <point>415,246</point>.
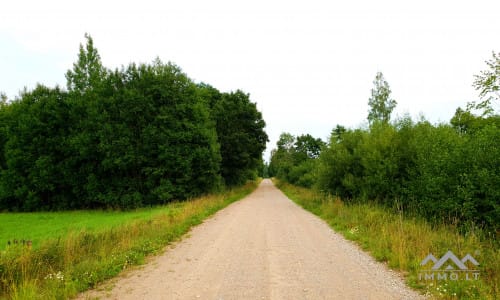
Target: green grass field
<point>74,251</point>
<point>40,226</point>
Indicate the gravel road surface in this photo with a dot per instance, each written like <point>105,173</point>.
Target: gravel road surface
<point>262,247</point>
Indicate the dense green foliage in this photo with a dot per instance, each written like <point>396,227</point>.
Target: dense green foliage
<point>241,135</point>
<point>295,159</point>
<point>140,135</point>
<point>445,173</point>
<point>432,170</point>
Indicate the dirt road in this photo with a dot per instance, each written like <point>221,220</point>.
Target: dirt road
<point>262,247</point>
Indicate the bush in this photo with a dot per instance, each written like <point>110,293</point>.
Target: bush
<point>434,171</point>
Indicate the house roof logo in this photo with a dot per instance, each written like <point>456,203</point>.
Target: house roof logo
<point>448,260</point>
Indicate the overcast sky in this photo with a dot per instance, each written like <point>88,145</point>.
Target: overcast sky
<point>309,65</point>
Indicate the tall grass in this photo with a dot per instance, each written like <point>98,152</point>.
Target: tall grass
<point>60,268</point>
<point>403,242</point>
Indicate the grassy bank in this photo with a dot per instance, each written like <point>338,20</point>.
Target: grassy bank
<point>403,242</point>
<point>62,263</point>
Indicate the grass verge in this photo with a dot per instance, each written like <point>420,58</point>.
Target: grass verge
<point>403,243</point>
<point>59,268</point>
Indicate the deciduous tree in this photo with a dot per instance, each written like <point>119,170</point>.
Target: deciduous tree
<point>241,135</point>
<point>381,104</point>
<point>488,85</point>
<point>87,71</point>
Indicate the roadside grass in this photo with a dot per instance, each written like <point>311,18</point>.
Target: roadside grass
<point>63,263</point>
<point>403,242</point>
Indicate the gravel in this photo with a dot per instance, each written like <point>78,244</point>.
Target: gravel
<point>262,247</point>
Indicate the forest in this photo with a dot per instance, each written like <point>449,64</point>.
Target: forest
<point>141,135</point>
<point>446,173</point>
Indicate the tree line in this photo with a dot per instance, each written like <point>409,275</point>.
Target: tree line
<point>442,172</point>
<point>144,134</point>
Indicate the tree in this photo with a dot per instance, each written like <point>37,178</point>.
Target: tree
<point>241,135</point>
<point>3,99</point>
<point>88,71</point>
<point>156,139</point>
<point>142,135</point>
<point>381,104</point>
<point>308,147</point>
<point>340,170</point>
<point>285,142</point>
<point>478,115</point>
<point>294,160</point>
<point>210,95</point>
<point>282,157</point>
<point>336,135</point>
<point>488,85</point>
<point>35,152</point>
<point>464,121</point>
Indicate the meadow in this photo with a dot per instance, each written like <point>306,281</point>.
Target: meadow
<point>75,251</point>
<point>38,227</point>
<point>402,241</point>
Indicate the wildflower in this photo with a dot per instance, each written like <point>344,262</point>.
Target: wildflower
<point>56,276</point>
